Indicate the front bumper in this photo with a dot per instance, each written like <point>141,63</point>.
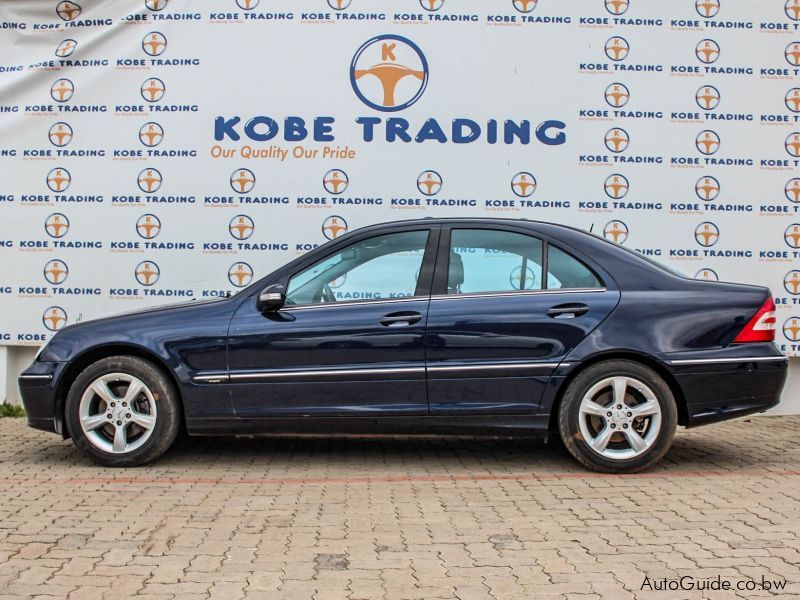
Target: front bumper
<point>38,386</point>
<point>718,391</point>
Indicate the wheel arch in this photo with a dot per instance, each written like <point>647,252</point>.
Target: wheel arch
<point>92,355</point>
<point>644,359</point>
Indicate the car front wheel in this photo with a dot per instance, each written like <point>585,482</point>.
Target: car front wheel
<point>618,416</point>
<point>122,411</point>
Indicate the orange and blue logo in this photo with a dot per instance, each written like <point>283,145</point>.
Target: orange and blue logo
<point>791,329</point>
<point>156,5</point>
<point>518,282</point>
<point>56,225</point>
<point>707,9</point>
<point>617,140</point>
<point>68,11</point>
<point>241,227</point>
<point>792,144</point>
<point>148,226</point>
<point>339,4</point>
<point>706,234</point>
<point>58,179</point>
<point>149,180</point>
<point>334,227</point>
<point>242,181</point>
<point>247,4</point>
<point>523,184</point>
<point>240,274</point>
<point>617,95</point>
<point>707,142</point>
<point>147,273</point>
<point>792,8</point>
<point>792,54</point>
<point>616,231</point>
<point>431,5</point>
<point>793,100</point>
<point>706,275</point>
<point>617,7</point>
<point>60,134</point>
<point>707,188</point>
<point>707,51</point>
<point>62,90</point>
<point>617,48</point>
<point>792,283</point>
<point>430,183</point>
<point>56,271</point>
<point>792,190</point>
<point>151,134</point>
<point>389,73</point>
<point>154,43</point>
<point>525,6</point>
<point>66,47</point>
<point>54,318</point>
<point>616,186</point>
<point>708,97</point>
<point>792,235</point>
<point>153,89</point>
<point>335,181</point>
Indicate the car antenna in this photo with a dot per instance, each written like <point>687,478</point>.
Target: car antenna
<point>591,228</point>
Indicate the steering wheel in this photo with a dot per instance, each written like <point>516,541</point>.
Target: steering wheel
<point>327,294</point>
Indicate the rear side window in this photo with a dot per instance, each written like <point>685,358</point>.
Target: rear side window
<point>484,260</point>
<point>567,272</point>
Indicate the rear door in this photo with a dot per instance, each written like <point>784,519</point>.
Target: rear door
<point>507,307</point>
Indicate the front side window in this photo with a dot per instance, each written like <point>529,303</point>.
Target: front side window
<point>378,268</point>
<point>485,260</point>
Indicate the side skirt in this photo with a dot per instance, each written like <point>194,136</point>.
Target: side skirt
<point>505,425</point>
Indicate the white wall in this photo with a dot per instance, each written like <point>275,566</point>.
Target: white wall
<point>14,359</point>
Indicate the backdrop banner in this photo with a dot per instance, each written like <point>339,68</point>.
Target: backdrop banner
<point>162,150</point>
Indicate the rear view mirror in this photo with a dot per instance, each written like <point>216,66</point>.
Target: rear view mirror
<point>271,298</point>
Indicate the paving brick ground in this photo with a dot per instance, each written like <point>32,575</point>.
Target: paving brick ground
<point>398,518</point>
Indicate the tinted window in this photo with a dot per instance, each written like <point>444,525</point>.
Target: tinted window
<point>382,267</point>
<point>482,260</point>
<point>564,271</point>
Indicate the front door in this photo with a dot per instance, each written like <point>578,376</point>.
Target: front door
<point>497,328</point>
<point>350,340</point>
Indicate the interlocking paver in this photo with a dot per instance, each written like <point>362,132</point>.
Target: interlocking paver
<point>367,519</point>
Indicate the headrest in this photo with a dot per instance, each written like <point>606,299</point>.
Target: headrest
<point>455,275</point>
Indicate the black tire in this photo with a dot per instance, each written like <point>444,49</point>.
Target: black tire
<point>167,414</point>
<point>569,417</point>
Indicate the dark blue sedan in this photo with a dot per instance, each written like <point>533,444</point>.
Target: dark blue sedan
<point>452,326</point>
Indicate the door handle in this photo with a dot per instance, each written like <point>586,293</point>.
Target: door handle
<point>567,311</point>
<point>400,319</point>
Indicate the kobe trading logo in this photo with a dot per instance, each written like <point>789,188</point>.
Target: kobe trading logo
<point>60,134</point>
<point>617,95</point>
<point>333,227</point>
<point>431,5</point>
<point>389,73</point>
<point>56,271</point>
<point>151,134</point>
<point>792,235</point>
<point>242,181</point>
<point>792,283</point>
<point>706,275</point>
<point>335,181</point>
<point>240,274</point>
<point>154,43</point>
<point>706,234</point>
<point>616,186</point>
<point>56,225</point>
<point>149,180</point>
<point>54,318</point>
<point>616,231</point>
<point>148,226</point>
<point>429,183</point>
<point>62,90</point>
<point>791,329</point>
<point>707,188</point>
<point>68,11</point>
<point>147,273</point>
<point>617,7</point>
<point>523,184</point>
<point>525,6</point>
<point>241,227</point>
<point>707,8</point>
<point>58,179</point>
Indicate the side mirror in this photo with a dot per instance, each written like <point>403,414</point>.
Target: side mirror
<point>271,298</point>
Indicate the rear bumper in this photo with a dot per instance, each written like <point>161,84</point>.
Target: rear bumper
<point>725,388</point>
<point>37,387</point>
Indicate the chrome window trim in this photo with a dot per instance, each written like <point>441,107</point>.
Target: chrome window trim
<point>294,307</point>
<point>48,377</point>
<point>519,293</point>
<point>701,361</point>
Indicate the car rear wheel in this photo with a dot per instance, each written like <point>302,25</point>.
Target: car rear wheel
<point>618,416</point>
<point>122,411</point>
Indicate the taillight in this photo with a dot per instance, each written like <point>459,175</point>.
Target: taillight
<point>761,328</point>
